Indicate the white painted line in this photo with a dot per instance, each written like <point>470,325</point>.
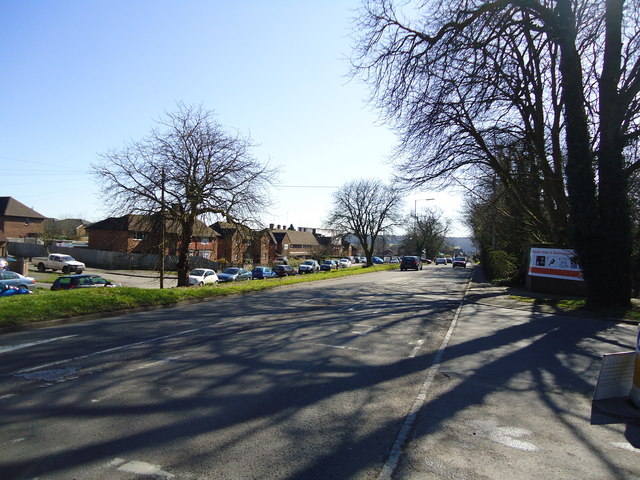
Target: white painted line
<point>416,349</point>
<point>11,348</point>
<point>107,350</point>
<point>626,446</point>
<point>341,347</point>
<point>151,364</point>
<point>396,449</point>
<point>144,468</point>
<point>369,329</point>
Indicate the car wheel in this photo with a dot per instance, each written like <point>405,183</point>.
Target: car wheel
<point>41,267</point>
<point>201,284</point>
<point>65,270</point>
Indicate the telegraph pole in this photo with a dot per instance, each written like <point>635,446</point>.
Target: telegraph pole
<point>162,230</point>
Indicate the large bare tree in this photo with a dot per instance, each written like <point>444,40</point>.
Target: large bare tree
<point>188,168</point>
<point>535,92</point>
<point>365,208</point>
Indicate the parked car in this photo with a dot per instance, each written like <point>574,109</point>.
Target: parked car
<point>58,261</point>
<point>263,272</point>
<point>345,263</point>
<point>449,260</point>
<point>460,262</point>
<point>234,274</point>
<point>328,265</point>
<point>9,291</point>
<point>281,261</point>
<point>13,279</point>
<point>69,282</point>
<point>202,276</point>
<point>363,259</point>
<point>309,266</point>
<point>284,270</point>
<point>440,261</point>
<point>4,264</point>
<point>377,260</point>
<point>410,262</point>
<point>394,260</point>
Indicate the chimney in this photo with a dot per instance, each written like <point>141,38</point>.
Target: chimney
<point>271,226</point>
<point>278,227</point>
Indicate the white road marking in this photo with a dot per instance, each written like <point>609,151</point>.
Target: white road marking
<point>416,349</point>
<point>505,435</point>
<point>626,446</point>
<point>368,329</point>
<point>11,348</point>
<point>341,347</point>
<point>396,449</point>
<point>107,350</point>
<point>144,468</point>
<point>151,364</point>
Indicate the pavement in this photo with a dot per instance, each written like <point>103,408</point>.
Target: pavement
<point>511,396</point>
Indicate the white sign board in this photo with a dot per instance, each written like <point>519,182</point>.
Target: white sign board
<point>554,263</point>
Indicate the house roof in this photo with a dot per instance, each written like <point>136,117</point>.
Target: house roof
<point>144,223</point>
<point>10,207</point>
<point>295,236</point>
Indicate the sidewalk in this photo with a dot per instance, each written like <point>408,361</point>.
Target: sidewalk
<point>512,398</point>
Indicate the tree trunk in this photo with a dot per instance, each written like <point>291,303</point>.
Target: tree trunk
<point>604,224</point>
<point>183,253</point>
<point>615,214</point>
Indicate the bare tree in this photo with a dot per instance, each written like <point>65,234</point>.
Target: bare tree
<point>366,209</point>
<point>187,168</point>
<point>426,233</point>
<point>472,84</point>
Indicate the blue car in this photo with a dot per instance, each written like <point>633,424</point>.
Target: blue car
<point>377,260</point>
<point>263,272</point>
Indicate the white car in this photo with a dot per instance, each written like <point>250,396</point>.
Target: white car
<point>345,262</point>
<point>309,266</point>
<point>441,261</point>
<point>202,276</point>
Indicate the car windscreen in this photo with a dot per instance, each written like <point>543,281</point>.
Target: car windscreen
<point>231,271</point>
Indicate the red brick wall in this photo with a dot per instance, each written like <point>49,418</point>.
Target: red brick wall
<point>17,228</point>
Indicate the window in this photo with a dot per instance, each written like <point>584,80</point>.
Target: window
<point>138,235</point>
<point>204,240</point>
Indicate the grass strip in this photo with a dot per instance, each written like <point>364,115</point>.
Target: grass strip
<point>44,305</point>
<point>579,306</point>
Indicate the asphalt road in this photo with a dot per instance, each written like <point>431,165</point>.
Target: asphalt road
<point>311,381</point>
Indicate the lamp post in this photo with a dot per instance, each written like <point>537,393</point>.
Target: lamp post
<point>415,219</point>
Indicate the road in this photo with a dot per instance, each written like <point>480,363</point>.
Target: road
<point>310,381</point>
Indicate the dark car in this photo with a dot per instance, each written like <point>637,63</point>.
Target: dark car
<point>263,272</point>
<point>410,262</point>
<point>284,270</point>
<point>460,262</point>
<point>69,282</point>
<point>233,274</point>
<point>328,265</point>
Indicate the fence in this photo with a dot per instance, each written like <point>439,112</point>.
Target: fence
<point>105,259</point>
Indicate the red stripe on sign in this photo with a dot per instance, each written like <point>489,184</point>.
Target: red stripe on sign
<point>556,271</point>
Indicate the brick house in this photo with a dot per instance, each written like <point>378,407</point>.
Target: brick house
<point>292,243</point>
<point>141,234</point>
<point>18,220</point>
<point>239,245</point>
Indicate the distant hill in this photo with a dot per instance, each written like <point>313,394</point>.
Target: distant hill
<point>462,243</point>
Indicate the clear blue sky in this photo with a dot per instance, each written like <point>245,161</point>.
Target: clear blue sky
<point>81,77</point>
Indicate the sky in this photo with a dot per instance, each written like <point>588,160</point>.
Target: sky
<point>82,77</point>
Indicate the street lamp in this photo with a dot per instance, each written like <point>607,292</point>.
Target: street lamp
<point>415,219</point>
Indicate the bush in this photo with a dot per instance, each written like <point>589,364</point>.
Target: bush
<point>501,266</point>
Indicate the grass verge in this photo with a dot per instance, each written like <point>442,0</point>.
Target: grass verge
<point>579,306</point>
<point>44,305</point>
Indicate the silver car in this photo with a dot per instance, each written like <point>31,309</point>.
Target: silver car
<point>14,279</point>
